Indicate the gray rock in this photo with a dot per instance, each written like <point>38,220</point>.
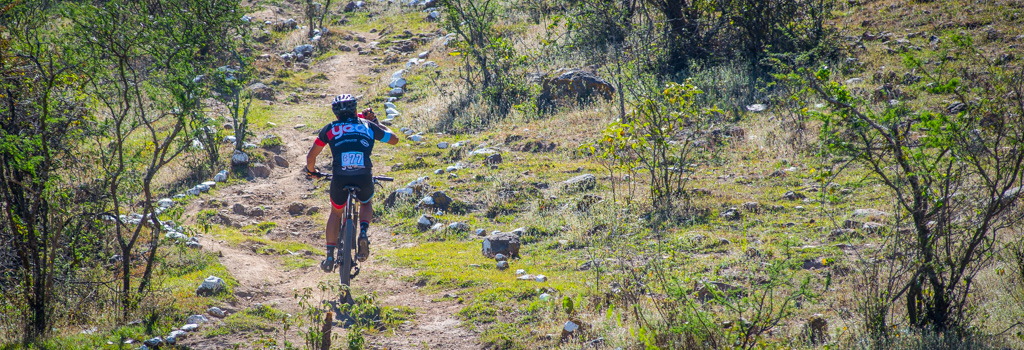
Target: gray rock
<point>392,112</point>
<point>304,50</point>
<point>458,226</point>
<point>868,214</point>
<point>438,171</point>
<point>210,184</point>
<point>493,159</point>
<point>437,227</point>
<point>221,176</point>
<point>872,227</point>
<point>583,182</point>
<point>500,257</point>
<point>189,327</point>
<point>501,243</point>
<point>216,312</point>
<point>425,222</point>
<point>192,191</point>
<point>757,107</point>
<point>396,92</point>
<point>296,208</point>
<point>197,319</point>
<point>480,232</point>
<point>262,91</point>
<point>502,265</point>
<point>731,214</point>
<point>280,161</point>
<point>202,188</point>
<point>238,208</point>
<point>175,335</point>
<point>154,342</point>
<point>211,286</point>
<point>442,145</point>
<point>239,158</point>
<point>260,170</point>
<point>752,207</point>
<point>430,64</point>
<point>423,55</point>
<point>165,203</point>
<point>541,278</point>
<point>193,244</point>
<point>793,195</point>
<point>398,83</point>
<point>416,138</point>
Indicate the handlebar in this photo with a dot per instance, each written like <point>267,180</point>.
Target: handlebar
<point>329,176</point>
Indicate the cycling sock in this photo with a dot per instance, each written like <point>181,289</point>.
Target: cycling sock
<point>330,250</point>
<point>363,227</point>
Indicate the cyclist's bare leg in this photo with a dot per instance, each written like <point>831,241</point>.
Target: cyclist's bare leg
<point>333,226</point>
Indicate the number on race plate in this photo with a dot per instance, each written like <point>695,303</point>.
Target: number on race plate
<point>352,160</point>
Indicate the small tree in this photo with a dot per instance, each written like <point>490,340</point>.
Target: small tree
<point>955,176</point>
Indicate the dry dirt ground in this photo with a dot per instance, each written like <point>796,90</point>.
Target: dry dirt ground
<point>263,278</point>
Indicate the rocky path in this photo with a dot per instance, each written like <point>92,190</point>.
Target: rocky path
<point>264,279</point>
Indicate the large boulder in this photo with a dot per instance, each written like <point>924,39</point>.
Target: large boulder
<point>501,243</point>
<point>574,83</point>
<point>211,286</point>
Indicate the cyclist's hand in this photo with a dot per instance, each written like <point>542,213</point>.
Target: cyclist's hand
<point>369,115</point>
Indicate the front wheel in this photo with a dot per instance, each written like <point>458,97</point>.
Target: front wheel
<point>348,235</point>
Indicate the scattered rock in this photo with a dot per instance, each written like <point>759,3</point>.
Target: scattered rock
<point>442,145</point>
<point>262,91</point>
<point>396,92</point>
<point>196,319</point>
<point>583,182</point>
<point>502,265</point>
<point>792,195</point>
<point>956,107</point>
<point>425,222</point>
<point>731,214</point>
<point>296,208</point>
<point>154,342</point>
<point>239,158</point>
<point>304,50</point>
<point>493,159</point>
<point>216,312</point>
<point>238,208</point>
<point>458,227</point>
<point>416,138</point>
<point>313,210</point>
<point>173,337</point>
<point>757,107</point>
<point>165,203</point>
<point>501,243</point>
<point>541,278</point>
<point>480,232</point>
<point>221,176</point>
<point>500,257</point>
<point>189,327</point>
<point>280,161</point>
<point>260,170</point>
<point>211,286</point>
<point>569,329</point>
<point>752,207</point>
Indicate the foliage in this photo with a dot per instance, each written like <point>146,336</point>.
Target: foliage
<point>955,178</point>
<point>660,136</point>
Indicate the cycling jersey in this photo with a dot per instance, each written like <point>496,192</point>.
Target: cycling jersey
<point>351,143</point>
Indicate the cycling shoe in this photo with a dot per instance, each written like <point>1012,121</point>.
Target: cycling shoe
<point>328,264</point>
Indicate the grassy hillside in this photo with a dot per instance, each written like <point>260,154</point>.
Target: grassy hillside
<point>763,211</point>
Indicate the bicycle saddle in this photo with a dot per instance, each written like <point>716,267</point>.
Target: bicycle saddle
<point>351,188</point>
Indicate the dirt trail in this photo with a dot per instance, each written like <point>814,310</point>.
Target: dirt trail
<point>263,278</point>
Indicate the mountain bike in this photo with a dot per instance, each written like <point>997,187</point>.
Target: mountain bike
<point>345,261</point>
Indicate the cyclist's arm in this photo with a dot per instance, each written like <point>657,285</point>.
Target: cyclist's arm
<point>318,146</point>
<point>383,134</point>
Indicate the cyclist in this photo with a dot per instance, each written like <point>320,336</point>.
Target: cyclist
<point>351,138</point>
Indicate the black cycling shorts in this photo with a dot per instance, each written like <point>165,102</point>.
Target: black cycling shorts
<point>364,181</point>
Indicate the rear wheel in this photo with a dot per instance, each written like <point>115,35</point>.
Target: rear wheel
<point>348,234</point>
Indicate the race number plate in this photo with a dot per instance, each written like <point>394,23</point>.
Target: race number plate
<point>352,160</point>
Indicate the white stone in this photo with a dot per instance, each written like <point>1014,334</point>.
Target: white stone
<point>423,55</point>
<point>423,221</point>
<point>165,203</point>
<point>416,138</point>
<point>520,272</point>
<point>390,105</point>
<point>202,187</point>
<point>221,176</point>
<point>545,297</point>
<point>570,326</point>
<point>392,111</point>
<point>197,319</point>
<point>541,278</point>
<point>189,327</point>
<point>271,124</point>
<point>192,191</point>
<point>210,184</point>
<point>398,74</point>
<point>397,83</point>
